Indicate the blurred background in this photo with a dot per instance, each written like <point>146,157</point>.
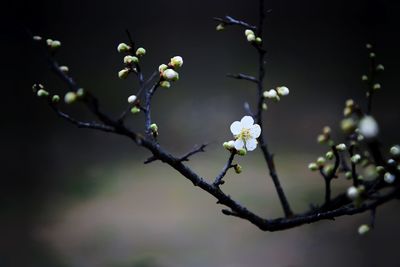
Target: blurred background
<point>78,198</point>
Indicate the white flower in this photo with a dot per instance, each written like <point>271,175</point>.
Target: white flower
<point>132,99</point>
<point>176,62</point>
<point>283,90</point>
<point>246,133</point>
<point>368,127</point>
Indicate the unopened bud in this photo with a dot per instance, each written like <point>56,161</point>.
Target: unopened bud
<point>251,38</point>
<point>162,67</point>
<point>229,145</point>
<point>55,44</point>
<point>238,168</point>
<point>395,151</point>
<point>364,78</point>
<point>130,60</point>
<point>356,158</point>
<point>123,74</point>
<point>242,152</point>
<point>363,229</point>
<point>376,87</point>
<point>135,110</point>
<point>352,192</point>
<point>140,52</point>
<point>380,67</point>
<point>64,69</point>
<point>37,38</point>
<point>258,40</point>
<point>70,97</point>
<point>170,75</point>
<point>329,155</point>
<point>176,62</point>
<point>248,32</point>
<point>282,90</point>
<point>132,99</point>
<point>42,93</point>
<point>341,147</point>
<point>123,47</point>
<point>220,27</point>
<point>154,128</point>
<point>389,178</point>
<point>55,99</point>
<point>313,166</point>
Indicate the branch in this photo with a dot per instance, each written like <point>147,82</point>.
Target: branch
<point>228,20</point>
<point>241,76</point>
<point>218,180</point>
<point>195,150</point>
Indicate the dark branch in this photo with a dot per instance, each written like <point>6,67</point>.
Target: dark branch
<point>218,180</point>
<point>228,20</point>
<point>195,150</point>
<point>241,76</point>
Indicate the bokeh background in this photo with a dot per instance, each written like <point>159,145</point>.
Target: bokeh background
<point>78,198</point>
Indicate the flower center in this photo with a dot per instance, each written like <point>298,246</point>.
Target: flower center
<point>244,134</point>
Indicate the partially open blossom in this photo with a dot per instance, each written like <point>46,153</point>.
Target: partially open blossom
<point>246,133</point>
<point>368,127</point>
<point>176,62</point>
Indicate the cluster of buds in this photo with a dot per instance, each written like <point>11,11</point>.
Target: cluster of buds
<point>252,38</point>
<point>69,97</point>
<point>53,44</point>
<point>325,136</point>
<point>168,72</point>
<point>72,96</point>
<point>130,60</point>
<point>276,94</point>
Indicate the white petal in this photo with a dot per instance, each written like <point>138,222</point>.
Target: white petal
<point>236,127</point>
<point>247,122</point>
<point>251,144</point>
<point>255,130</point>
<point>239,144</point>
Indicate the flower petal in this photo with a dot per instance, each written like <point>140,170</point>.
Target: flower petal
<point>247,122</point>
<point>236,127</point>
<point>255,130</point>
<point>251,144</point>
<point>239,144</point>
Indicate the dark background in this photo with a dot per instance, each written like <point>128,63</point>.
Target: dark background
<point>51,170</point>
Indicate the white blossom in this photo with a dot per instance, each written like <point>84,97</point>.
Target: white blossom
<point>282,90</point>
<point>246,133</point>
<point>132,99</point>
<point>368,127</point>
<point>176,61</point>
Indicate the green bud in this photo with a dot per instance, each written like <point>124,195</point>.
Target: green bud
<point>140,52</point>
<point>165,84</point>
<point>341,147</point>
<point>348,125</point>
<point>320,161</point>
<point>135,110</point>
<point>313,166</point>
<point>328,169</point>
<point>70,97</point>
<point>264,106</point>
<point>347,111</point>
<point>348,175</point>
<point>380,170</point>
<point>55,99</point>
<point>154,127</point>
<point>42,93</point>
<point>242,152</point>
<point>123,47</point>
<point>64,69</point>
<point>220,27</point>
<point>36,87</point>
<point>380,67</point>
<point>130,60</point>
<point>364,78</point>
<point>321,139</point>
<point>55,44</point>
<point>363,229</point>
<point>238,168</point>
<point>123,74</point>
<point>356,158</point>
<point>162,67</point>
<point>329,155</point>
<point>229,145</point>
<point>80,93</point>
<point>258,40</point>
<point>376,87</point>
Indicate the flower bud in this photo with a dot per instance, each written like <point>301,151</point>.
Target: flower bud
<point>55,44</point>
<point>132,99</point>
<point>80,93</point>
<point>283,90</point>
<point>165,84</point>
<point>270,94</point>
<point>356,158</point>
<point>49,42</point>
<point>363,229</point>
<point>352,192</point>
<point>348,125</point>
<point>251,38</point>
<point>242,152</point>
<point>70,97</point>
<point>130,60</point>
<point>135,110</point>
<point>248,32</point>
<point>123,74</point>
<point>55,99</point>
<point>341,147</point>
<point>349,103</point>
<point>368,46</point>
<point>322,139</point>
<point>64,69</point>
<point>364,78</point>
<point>42,93</point>
<point>320,161</point>
<point>313,166</point>
<point>326,130</point>
<point>220,27</point>
<point>140,52</point>
<point>238,168</point>
<point>176,62</point>
<point>36,87</point>
<point>37,38</point>
<point>229,145</point>
<point>264,106</point>
<point>380,170</point>
<point>372,55</point>
<point>380,67</point>
<point>395,151</point>
<point>170,75</point>
<point>328,169</point>
<point>376,87</point>
<point>389,178</point>
<point>348,175</point>
<point>162,68</point>
<point>154,128</point>
<point>123,47</point>
<point>258,40</point>
<point>329,155</point>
